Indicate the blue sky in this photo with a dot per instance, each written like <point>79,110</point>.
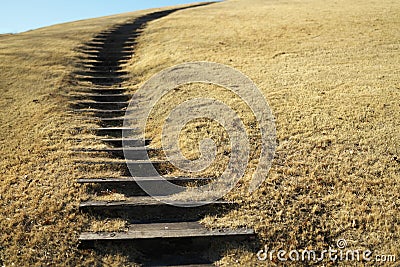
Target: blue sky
<point>22,15</point>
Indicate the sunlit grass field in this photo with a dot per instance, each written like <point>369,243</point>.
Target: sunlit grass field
<point>329,71</point>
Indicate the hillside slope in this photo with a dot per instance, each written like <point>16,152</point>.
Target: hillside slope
<point>329,71</point>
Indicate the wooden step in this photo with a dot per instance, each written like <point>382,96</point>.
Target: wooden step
<point>100,79</point>
<point>111,40</point>
<point>115,131</point>
<point>98,105</point>
<point>146,209</point>
<point>94,73</point>
<point>165,230</point>
<point>145,201</point>
<point>130,153</point>
<point>137,168</point>
<point>101,45</point>
<point>101,91</point>
<point>91,49</point>
<point>107,57</point>
<point>103,68</point>
<point>131,186</point>
<point>129,180</point>
<point>111,59</point>
<point>119,142</point>
<point>107,122</point>
<point>103,97</point>
<point>101,52</point>
<point>184,265</point>
<point>116,35</point>
<point>101,64</point>
<point>101,113</point>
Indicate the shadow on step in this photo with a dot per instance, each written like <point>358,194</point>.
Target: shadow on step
<point>178,251</point>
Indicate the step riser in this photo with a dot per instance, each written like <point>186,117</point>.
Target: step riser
<point>192,251</point>
<point>113,123</point>
<point>114,58</point>
<point>98,91</point>
<point>114,74</point>
<point>104,63</point>
<point>142,169</point>
<point>113,40</point>
<point>100,50</point>
<point>107,98</point>
<point>183,242</point>
<point>102,81</point>
<point>135,170</point>
<point>129,155</point>
<point>115,133</point>
<point>154,214</point>
<point>112,47</point>
<point>104,69</point>
<point>101,64</point>
<point>113,114</point>
<point>131,188</point>
<point>99,105</point>
<point>127,143</point>
<point>106,53</point>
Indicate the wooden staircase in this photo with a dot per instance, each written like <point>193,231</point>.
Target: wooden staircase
<point>165,234</point>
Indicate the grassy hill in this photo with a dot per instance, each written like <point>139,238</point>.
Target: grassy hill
<point>329,71</point>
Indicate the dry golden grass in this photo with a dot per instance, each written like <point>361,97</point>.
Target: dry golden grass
<point>39,219</point>
<point>329,71</point>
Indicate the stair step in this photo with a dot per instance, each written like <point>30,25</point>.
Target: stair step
<point>103,97</point>
<point>137,168</point>
<point>102,91</point>
<point>146,209</point>
<point>130,179</point>
<point>93,73</point>
<point>179,243</point>
<point>101,42</point>
<point>101,81</point>
<point>102,113</point>
<point>110,40</point>
<point>116,35</point>
<point>99,105</point>
<point>165,230</point>
<point>91,49</point>
<point>129,142</point>
<point>130,186</point>
<point>119,142</point>
<point>103,68</point>
<point>107,122</point>
<point>101,64</point>
<point>130,153</point>
<point>108,57</point>
<point>108,53</point>
<point>147,202</point>
<point>99,78</point>
<point>115,131</point>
